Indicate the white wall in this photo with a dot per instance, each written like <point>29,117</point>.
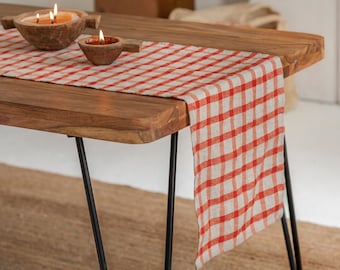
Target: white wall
<point>338,46</point>
<point>318,82</point>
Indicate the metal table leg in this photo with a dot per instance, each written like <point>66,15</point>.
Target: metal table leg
<point>288,242</point>
<point>171,207</point>
<point>171,202</point>
<point>91,204</point>
<point>292,211</point>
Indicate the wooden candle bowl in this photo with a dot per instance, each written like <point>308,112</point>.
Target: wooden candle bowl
<point>51,37</point>
<point>106,53</point>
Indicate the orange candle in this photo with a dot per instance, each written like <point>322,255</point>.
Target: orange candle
<point>52,17</point>
<point>62,17</point>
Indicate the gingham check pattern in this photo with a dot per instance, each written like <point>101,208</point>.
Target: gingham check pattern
<point>236,106</point>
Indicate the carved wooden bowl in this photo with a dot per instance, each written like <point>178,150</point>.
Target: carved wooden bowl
<point>109,50</point>
<point>48,36</point>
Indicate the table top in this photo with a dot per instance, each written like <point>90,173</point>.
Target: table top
<point>128,118</point>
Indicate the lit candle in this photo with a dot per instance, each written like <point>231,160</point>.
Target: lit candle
<point>55,13</point>
<point>101,38</point>
<point>104,50</point>
<point>51,17</point>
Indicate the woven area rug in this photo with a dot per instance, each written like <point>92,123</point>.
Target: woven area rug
<point>44,224</point>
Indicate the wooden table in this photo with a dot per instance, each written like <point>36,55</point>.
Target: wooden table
<point>126,118</point>
<point>109,116</point>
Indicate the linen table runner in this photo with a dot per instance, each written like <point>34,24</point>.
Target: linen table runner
<point>236,105</point>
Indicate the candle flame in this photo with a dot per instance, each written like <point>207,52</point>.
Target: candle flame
<point>51,17</point>
<point>101,37</point>
<point>55,10</point>
<point>38,16</point>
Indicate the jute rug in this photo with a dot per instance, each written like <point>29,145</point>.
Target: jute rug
<point>44,224</point>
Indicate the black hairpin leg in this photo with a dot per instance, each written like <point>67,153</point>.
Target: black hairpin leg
<point>292,211</point>
<point>91,204</point>
<point>171,202</point>
<point>288,243</point>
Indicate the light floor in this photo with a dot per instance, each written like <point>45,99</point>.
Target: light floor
<point>313,139</point>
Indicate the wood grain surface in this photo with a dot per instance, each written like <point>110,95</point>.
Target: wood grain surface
<point>128,118</point>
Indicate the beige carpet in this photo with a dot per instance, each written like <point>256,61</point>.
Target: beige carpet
<point>44,224</point>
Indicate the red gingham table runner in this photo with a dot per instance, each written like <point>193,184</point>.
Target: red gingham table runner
<point>236,105</point>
